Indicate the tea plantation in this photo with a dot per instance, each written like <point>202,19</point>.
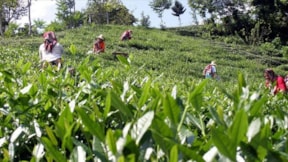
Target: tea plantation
<point>154,105</point>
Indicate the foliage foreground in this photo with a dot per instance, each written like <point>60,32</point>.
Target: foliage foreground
<point>114,114</point>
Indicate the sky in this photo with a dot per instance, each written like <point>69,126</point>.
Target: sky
<point>46,9</point>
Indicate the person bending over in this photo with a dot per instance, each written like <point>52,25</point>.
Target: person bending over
<point>99,44</point>
<point>50,51</point>
<point>126,35</point>
<point>274,82</point>
<point>210,70</point>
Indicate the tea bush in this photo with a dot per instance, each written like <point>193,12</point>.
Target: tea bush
<point>152,106</point>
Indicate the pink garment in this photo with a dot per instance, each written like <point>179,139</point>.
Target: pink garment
<point>50,40</point>
<point>126,35</point>
<point>280,85</point>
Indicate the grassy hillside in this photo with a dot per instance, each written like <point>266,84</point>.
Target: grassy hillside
<point>153,106</point>
<point>158,52</point>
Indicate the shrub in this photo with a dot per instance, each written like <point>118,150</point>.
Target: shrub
<point>284,51</point>
<point>268,49</point>
<point>55,26</point>
<point>11,30</point>
<point>145,21</point>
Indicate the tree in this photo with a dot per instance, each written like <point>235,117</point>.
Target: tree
<point>159,6</point>
<point>39,26</point>
<point>232,16</point>
<point>55,26</point>
<point>178,10</point>
<point>77,18</point>
<point>264,19</point>
<point>121,16</point>
<point>29,3</point>
<point>65,11</point>
<point>108,12</point>
<point>218,9</point>
<point>11,30</point>
<point>10,10</point>
<point>96,12</point>
<point>39,23</point>
<point>274,15</point>
<point>145,20</point>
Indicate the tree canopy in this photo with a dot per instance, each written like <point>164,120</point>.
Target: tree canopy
<point>11,10</point>
<point>178,10</point>
<point>108,12</point>
<point>159,6</point>
<point>260,20</point>
<point>67,15</point>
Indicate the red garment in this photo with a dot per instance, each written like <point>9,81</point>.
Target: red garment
<point>99,46</point>
<point>280,85</point>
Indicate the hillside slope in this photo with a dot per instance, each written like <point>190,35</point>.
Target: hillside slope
<point>158,52</point>
<point>154,106</point>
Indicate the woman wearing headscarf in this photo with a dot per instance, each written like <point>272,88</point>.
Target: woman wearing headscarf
<point>126,35</point>
<point>99,44</point>
<point>50,51</point>
<point>274,82</point>
<point>210,70</point>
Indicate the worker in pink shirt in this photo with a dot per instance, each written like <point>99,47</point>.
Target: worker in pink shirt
<point>126,35</point>
<point>274,82</point>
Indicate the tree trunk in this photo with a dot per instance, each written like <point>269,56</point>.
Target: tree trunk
<point>107,17</point>
<point>1,31</point>
<point>29,17</point>
<point>74,6</point>
<point>1,18</point>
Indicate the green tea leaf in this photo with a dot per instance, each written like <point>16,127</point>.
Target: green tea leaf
<point>145,93</point>
<point>162,134</point>
<point>141,126</point>
<point>131,158</point>
<point>171,109</point>
<point>118,104</point>
<point>217,117</point>
<point>256,107</point>
<point>224,144</point>
<point>26,67</point>
<point>191,153</point>
<point>78,154</point>
<point>111,142</point>
<point>239,127</point>
<point>174,153</point>
<point>93,127</point>
<point>253,129</point>
<point>51,136</point>
<point>241,83</point>
<point>196,97</point>
<point>53,151</point>
<point>123,60</point>
<point>73,49</point>
<point>194,120</point>
<point>97,148</point>
<point>107,104</point>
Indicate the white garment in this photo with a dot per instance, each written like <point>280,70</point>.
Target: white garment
<point>56,53</point>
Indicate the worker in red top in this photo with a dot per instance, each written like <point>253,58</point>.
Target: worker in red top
<point>126,35</point>
<point>99,45</point>
<point>274,82</point>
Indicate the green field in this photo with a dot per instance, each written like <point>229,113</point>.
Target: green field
<point>152,106</point>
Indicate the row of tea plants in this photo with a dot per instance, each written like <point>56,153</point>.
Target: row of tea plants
<point>114,114</point>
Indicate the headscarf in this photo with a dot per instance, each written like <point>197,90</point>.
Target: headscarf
<point>50,40</point>
<point>269,74</point>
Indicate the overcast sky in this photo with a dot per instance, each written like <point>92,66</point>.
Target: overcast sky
<point>46,9</point>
